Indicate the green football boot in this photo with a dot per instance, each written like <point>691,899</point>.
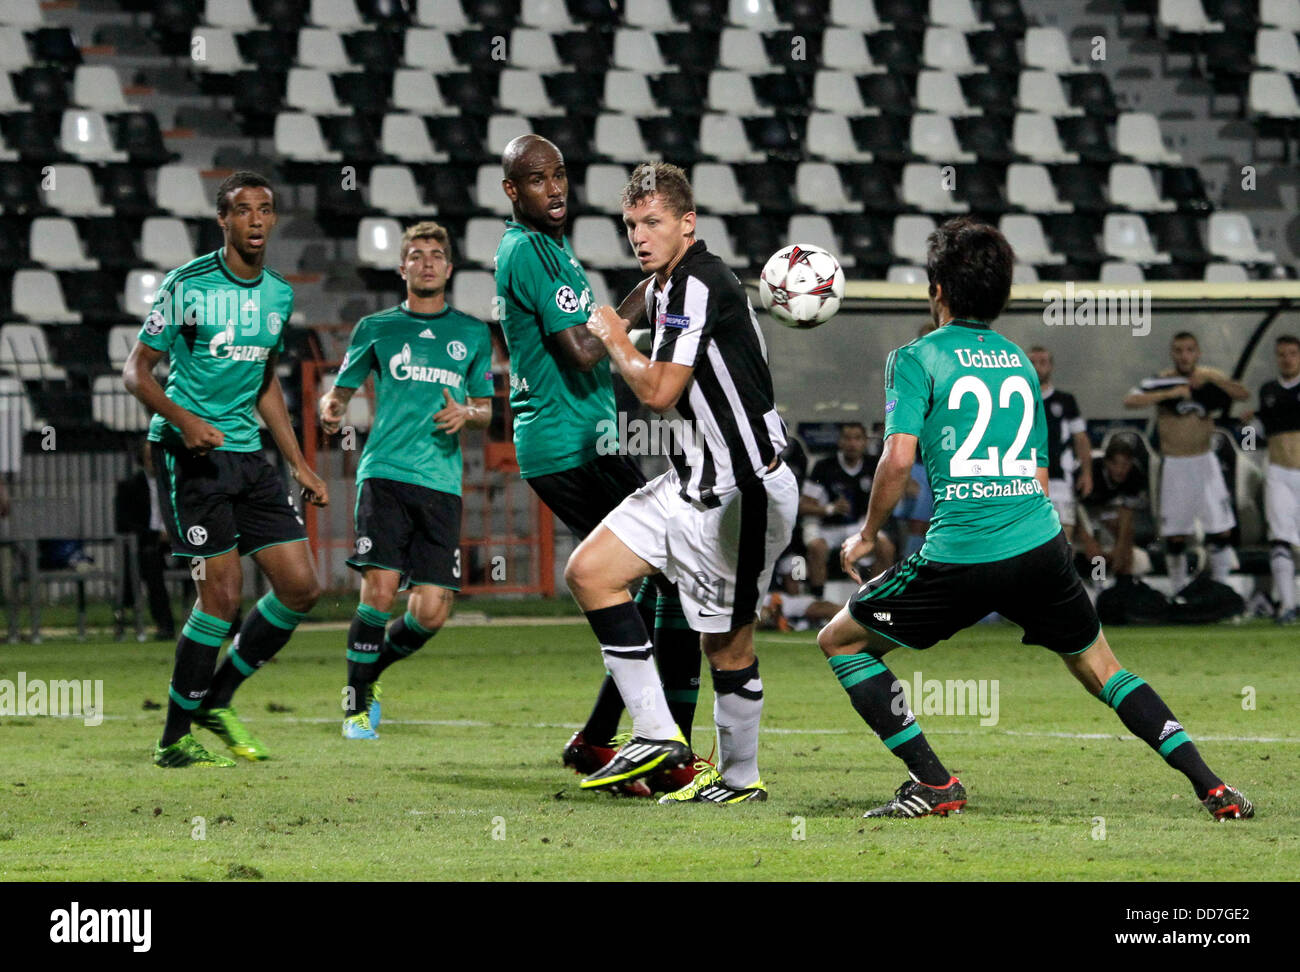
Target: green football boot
<point>232,732</point>
<point>708,787</point>
<point>186,751</point>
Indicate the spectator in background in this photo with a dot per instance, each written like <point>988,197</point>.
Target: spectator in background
<point>1106,530</point>
<point>834,500</point>
<point>913,512</point>
<point>1068,448</point>
<point>136,511</point>
<point>1191,480</point>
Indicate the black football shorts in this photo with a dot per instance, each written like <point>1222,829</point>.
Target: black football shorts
<point>410,529</point>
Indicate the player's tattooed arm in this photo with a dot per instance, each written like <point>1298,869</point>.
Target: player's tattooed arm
<point>137,374</point>
<point>454,416</point>
<point>658,384</point>
<point>333,405</point>
<point>270,405</point>
<point>893,473</point>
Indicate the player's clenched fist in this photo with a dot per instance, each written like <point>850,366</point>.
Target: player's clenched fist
<point>331,410</point>
<point>200,437</point>
<point>604,322</point>
<point>854,548</point>
<point>314,489</point>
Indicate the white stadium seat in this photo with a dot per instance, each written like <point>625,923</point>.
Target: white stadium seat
<point>70,190</point>
<point>393,191</point>
<point>956,13</point>
<point>37,296</point>
<point>818,186</point>
<point>629,92</point>
<point>654,15</point>
<point>340,14</point>
<point>298,138</point>
<point>547,14</point>
<point>1225,273</point>
<point>416,91</point>
<point>602,188</point>
<point>8,99</point>
<point>533,50</point>
<point>474,292</point>
<point>21,13</point>
<point>1125,237</point>
<point>1120,272</point>
<point>1035,136</point>
<point>846,49</point>
<point>829,137</point>
<point>753,15</point>
<point>138,295</point>
<point>933,137</point>
<point>740,49</point>
<point>502,129</point>
<point>441,14</point>
<point>165,242</point>
<point>406,138</point>
<point>25,352</point>
<point>488,193</point>
<point>618,137</point>
<point>213,51</point>
<point>906,274</point>
<point>909,236</point>
<point>923,188</point>
<point>54,244</point>
<point>1131,187</point>
<point>84,134</point>
<point>818,231</point>
<point>732,92</point>
<point>379,242</point>
<point>98,87</point>
<point>858,14</point>
<point>312,91</point>
<point>236,14</point>
<point>837,91</point>
<point>1280,13</point>
<point>637,50</point>
<point>1041,91</point>
<point>946,49</point>
<point>1186,16</point>
<point>723,138</point>
<point>1025,234</point>
<point>1277,50</point>
<point>1231,238</point>
<point>1024,273</point>
<point>713,231</point>
<point>597,243</point>
<point>1030,187</point>
<point>13,50</point>
<point>482,236</point>
<point>717,190</point>
<point>180,192</point>
<point>1137,135</point>
<point>940,92</point>
<point>423,47</point>
<point>524,92</point>
<point>1047,49</point>
<point>1272,96</point>
<point>322,47</point>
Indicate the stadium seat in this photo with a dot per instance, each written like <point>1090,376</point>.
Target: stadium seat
<point>393,192</point>
<point>38,297</point>
<point>956,13</point>
<point>628,92</point>
<point>601,188</point>
<point>600,293</point>
<point>474,292</point>
<point>84,135</point>
<point>717,191</point>
<point>906,274</point>
<point>754,15</point>
<point>829,137</point>
<point>1125,237</point>
<point>98,87</point>
<point>1271,95</point>
<point>1023,273</point>
<point>1131,187</point>
<point>113,406</point>
<point>482,236</point>
<point>1042,91</point>
<point>525,94</point>
<point>416,91</point>
<point>993,94</point>
<point>910,234</point>
<point>1092,94</point>
<point>837,91</point>
<point>428,49</point>
<point>121,339</point>
<point>846,50</point>
<point>1046,48</point>
<point>933,137</point>
<point>1183,186</point>
<point>1186,17</point>
<point>165,242</point>
<point>440,14</point>
<point>858,14</point>
<point>298,138</point>
<point>488,193</point>
<point>1225,273</point>
<point>180,192</point>
<point>8,97</point>
<point>1231,238</point>
<point>732,92</point>
<point>1030,187</point>
<point>70,190</point>
<point>213,51</point>
<point>25,353</point>
<point>618,138</point>
<point>987,138</point>
<point>545,14</point>
<point>1137,136</point>
<point>54,244</point>
<point>940,92</point>
<point>1025,234</point>
<point>722,137</point>
<point>310,90</point>
<point>597,243</point>
<point>1119,272</point>
<point>1277,50</point>
<point>1036,137</point>
<point>713,231</point>
<point>379,242</point>
<point>406,138</point>
<point>235,14</point>
<point>740,49</point>
<point>945,49</point>
<point>124,190</point>
<point>13,50</point>
<point>137,298</point>
<point>321,47</point>
<point>339,14</point>
<point>818,186</point>
<point>1280,13</point>
<point>980,186</point>
<point>636,50</point>
<point>818,231</point>
<point>502,129</point>
<point>923,188</point>
<point>21,13</point>
<point>533,50</point>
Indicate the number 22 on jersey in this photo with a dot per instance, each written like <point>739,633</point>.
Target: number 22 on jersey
<point>994,463</point>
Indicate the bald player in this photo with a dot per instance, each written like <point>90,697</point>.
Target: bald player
<point>1191,482</point>
<point>562,398</point>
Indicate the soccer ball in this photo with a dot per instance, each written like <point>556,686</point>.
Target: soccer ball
<point>801,285</point>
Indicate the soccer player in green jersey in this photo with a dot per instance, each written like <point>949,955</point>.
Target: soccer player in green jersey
<point>562,397</point>
<point>221,317</point>
<point>969,398</point>
<point>433,378</point>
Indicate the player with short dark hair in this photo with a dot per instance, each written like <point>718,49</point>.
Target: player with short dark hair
<point>1279,411</point>
<point>995,543</point>
<point>222,318</point>
<point>1192,488</point>
<point>562,397</point>
<point>433,378</point>
<point>715,522</point>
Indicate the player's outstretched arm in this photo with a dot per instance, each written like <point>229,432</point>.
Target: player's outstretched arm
<point>658,384</point>
<point>893,473</point>
<point>270,405</point>
<point>137,375</point>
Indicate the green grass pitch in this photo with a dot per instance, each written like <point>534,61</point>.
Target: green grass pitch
<point>465,783</point>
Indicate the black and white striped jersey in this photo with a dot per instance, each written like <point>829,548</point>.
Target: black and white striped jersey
<point>730,431</point>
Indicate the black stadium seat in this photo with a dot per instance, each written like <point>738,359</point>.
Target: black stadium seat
<point>449,188</point>
<point>1075,236</point>
<point>701,14</point>
<point>866,237</point>
<point>901,13</point>
<point>695,51</point>
<point>768,185</point>
<point>995,50</point>
<point>788,93</point>
<point>577,92</point>
<point>470,91</point>
<point>55,45</point>
<point>1092,93</point>
<point>173,23</point>
<point>389,14</point>
<point>18,189</point>
<point>890,93</point>
<point>980,186</point>
<point>284,14</point>
<point>355,137</point>
<point>13,238</point>
<point>584,50</point>
<point>1178,234</point>
<point>496,15</point>
<point>271,50</point>
<point>994,94</point>
<point>1081,185</point>
<point>757,237</point>
<point>1182,185</point>
<point>123,187</point>
<point>775,135</point>
<point>462,138</point>
<point>338,210</point>
<point>33,135</point>
<point>1006,15</point>
<point>140,137</point>
<point>373,50</point>
<point>110,240</point>
<point>989,138</point>
<point>1087,135</point>
<point>258,97</point>
<point>95,294</point>
<point>679,92</point>
<point>44,87</point>
<point>808,14</point>
<point>876,186</point>
<point>571,135</point>
<point>476,48</point>
<point>898,51</point>
<point>598,13</point>
<point>675,136</point>
<point>885,137</point>
<point>367,92</point>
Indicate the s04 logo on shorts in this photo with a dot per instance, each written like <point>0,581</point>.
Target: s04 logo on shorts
<point>363,545</point>
<point>196,535</point>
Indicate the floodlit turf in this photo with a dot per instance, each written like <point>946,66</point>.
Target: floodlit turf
<point>465,783</point>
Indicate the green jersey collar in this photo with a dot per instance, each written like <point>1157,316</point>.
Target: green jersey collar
<point>446,309</point>
<point>221,262</point>
<point>978,325</point>
<point>514,224</point>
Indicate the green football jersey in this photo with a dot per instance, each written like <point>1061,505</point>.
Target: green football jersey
<point>414,358</point>
<point>542,290</point>
<point>971,398</point>
<point>219,331</point>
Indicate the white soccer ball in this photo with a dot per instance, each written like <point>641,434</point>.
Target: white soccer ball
<point>801,285</point>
